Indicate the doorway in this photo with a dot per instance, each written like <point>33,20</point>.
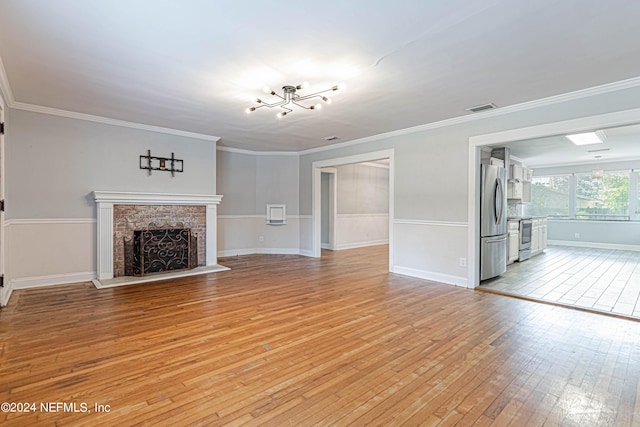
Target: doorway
<point>318,168</point>
<point>476,143</point>
<point>4,291</point>
<point>329,211</point>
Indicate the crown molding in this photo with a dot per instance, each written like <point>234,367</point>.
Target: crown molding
<point>543,102</point>
<point>109,121</point>
<point>5,88</point>
<point>7,94</point>
<point>257,153</point>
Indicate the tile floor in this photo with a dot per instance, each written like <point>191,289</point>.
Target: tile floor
<point>598,279</point>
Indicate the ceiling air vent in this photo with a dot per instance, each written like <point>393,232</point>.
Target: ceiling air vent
<point>331,138</point>
<point>483,107</point>
<point>598,151</point>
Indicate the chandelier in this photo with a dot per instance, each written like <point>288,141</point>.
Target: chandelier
<point>597,173</point>
<point>290,97</point>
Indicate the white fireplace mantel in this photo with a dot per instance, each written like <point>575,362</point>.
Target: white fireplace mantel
<point>105,200</point>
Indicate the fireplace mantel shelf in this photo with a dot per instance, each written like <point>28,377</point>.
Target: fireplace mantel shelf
<point>129,198</point>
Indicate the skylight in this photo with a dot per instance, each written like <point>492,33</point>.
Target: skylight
<point>586,138</point>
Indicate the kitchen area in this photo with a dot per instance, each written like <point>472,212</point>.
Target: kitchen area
<point>588,199</point>
<point>508,233</point>
<point>526,235</point>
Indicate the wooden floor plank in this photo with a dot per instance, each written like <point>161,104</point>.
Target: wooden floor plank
<point>288,340</point>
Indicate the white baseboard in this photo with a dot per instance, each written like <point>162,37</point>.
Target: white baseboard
<point>430,275</point>
<point>361,244</point>
<point>594,245</point>
<point>327,246</point>
<point>250,251</point>
<point>6,296</point>
<point>53,279</point>
<point>305,252</point>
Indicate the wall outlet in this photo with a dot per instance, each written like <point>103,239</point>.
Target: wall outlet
<point>260,238</point>
<point>576,236</point>
<point>463,262</point>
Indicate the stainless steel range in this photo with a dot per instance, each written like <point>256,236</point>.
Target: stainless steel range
<point>526,225</point>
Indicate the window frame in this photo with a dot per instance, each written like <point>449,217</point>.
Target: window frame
<point>633,197</point>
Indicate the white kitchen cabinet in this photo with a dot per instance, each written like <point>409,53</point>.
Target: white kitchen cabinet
<point>535,237</point>
<point>517,173</point>
<point>515,190</point>
<point>513,245</point>
<point>527,175</point>
<point>538,235</point>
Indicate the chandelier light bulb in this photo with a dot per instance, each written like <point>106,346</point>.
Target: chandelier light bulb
<point>319,106</point>
<point>250,110</point>
<point>327,100</point>
<point>281,114</point>
<point>266,89</point>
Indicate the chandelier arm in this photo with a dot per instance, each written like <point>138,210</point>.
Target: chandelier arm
<point>276,104</point>
<point>302,106</point>
<point>313,95</point>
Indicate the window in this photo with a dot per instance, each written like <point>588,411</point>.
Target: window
<point>606,198</point>
<point>550,196</point>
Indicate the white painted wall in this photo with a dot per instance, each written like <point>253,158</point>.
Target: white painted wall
<point>363,206</point>
<point>56,163</point>
<point>595,234</point>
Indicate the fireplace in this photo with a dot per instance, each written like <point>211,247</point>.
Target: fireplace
<point>195,212</point>
<point>131,219</point>
<point>158,250</point>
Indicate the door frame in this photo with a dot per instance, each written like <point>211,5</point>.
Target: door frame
<point>5,291</point>
<point>333,207</point>
<point>583,124</point>
<point>316,190</point>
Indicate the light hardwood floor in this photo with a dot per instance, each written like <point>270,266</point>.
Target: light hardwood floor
<point>603,280</point>
<point>295,341</point>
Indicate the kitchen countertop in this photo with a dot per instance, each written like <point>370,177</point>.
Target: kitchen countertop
<point>518,218</point>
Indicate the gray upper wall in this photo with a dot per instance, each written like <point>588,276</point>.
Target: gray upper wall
<point>277,181</point>
<point>362,189</point>
<point>237,183</point>
<point>54,163</point>
<point>249,182</point>
<point>431,166</point>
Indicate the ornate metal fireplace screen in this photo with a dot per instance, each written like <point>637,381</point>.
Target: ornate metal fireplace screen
<point>159,250</point>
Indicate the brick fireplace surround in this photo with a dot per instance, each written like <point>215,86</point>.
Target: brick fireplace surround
<point>119,211</point>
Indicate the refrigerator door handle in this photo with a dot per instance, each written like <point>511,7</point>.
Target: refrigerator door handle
<point>497,201</point>
<point>501,197</point>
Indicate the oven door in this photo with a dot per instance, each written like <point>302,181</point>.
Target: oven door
<point>526,226</point>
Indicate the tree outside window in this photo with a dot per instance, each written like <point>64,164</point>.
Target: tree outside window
<point>603,199</point>
<point>550,196</point>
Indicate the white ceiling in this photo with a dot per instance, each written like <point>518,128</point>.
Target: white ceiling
<point>192,65</point>
<point>620,144</point>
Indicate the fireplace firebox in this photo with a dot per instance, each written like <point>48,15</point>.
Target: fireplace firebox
<point>157,250</point>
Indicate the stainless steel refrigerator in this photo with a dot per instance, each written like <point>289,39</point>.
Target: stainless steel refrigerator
<point>493,222</point>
